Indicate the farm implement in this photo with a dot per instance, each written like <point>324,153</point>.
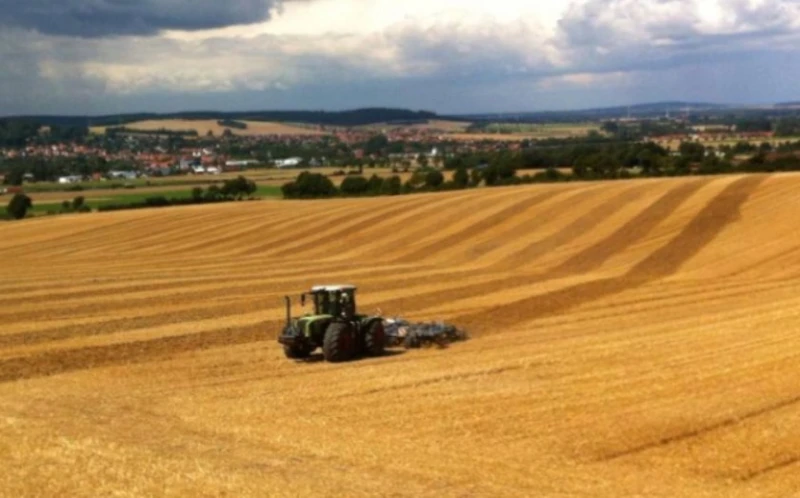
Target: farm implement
<point>343,334</point>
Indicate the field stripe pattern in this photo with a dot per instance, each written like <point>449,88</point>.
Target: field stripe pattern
<point>633,337</point>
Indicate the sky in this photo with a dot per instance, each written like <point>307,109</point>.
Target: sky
<point>447,56</point>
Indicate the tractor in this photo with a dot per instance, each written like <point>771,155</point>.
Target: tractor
<point>334,325</point>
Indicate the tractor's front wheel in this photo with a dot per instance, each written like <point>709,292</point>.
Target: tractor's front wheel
<point>375,339</point>
<point>339,344</point>
<point>297,352</point>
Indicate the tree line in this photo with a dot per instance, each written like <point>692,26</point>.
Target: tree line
<point>235,189</point>
<point>586,162</point>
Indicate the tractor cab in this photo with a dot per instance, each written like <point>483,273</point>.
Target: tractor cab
<point>334,300</point>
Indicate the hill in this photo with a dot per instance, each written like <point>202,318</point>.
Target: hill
<point>353,117</point>
<point>645,110</point>
<point>629,338</point>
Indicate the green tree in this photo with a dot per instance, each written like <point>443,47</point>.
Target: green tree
<point>213,193</point>
<point>354,185</point>
<point>376,145</point>
<point>434,179</point>
<point>197,194</point>
<point>309,186</point>
<point>238,188</point>
<point>18,206</point>
<point>15,175</point>
<point>78,203</point>
<point>610,127</point>
<point>461,177</point>
<point>692,151</point>
<point>375,183</point>
<point>475,177</point>
<point>392,185</point>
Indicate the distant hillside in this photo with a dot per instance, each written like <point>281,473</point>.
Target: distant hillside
<point>354,117</point>
<point>637,110</point>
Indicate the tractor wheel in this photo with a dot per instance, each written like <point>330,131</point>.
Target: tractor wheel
<point>339,344</point>
<point>374,339</point>
<point>296,352</point>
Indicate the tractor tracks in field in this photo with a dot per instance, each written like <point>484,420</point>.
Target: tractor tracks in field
<point>480,227</point>
<point>628,234</point>
<point>782,464</point>
<point>69,360</point>
<point>720,212</point>
<point>571,231</point>
<point>433,381</point>
<point>333,231</point>
<point>725,423</point>
<point>706,225</point>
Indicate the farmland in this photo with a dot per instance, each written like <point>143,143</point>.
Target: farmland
<point>629,338</point>
<point>48,196</point>
<point>97,198</point>
<point>510,131</point>
<point>202,127</point>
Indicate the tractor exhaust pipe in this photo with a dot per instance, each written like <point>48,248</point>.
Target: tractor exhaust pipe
<point>288,310</point>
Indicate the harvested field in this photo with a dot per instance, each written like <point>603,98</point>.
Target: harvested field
<point>439,125</point>
<point>204,126</point>
<point>631,338</point>
<point>522,131</point>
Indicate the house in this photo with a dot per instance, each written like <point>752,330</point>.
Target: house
<point>240,163</point>
<point>69,179</point>
<point>125,175</point>
<point>12,190</point>
<point>291,162</point>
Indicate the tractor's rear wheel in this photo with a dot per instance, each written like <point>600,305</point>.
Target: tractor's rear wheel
<point>374,339</point>
<point>339,343</point>
<point>296,352</point>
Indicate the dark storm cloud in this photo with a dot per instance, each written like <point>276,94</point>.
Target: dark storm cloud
<point>98,18</point>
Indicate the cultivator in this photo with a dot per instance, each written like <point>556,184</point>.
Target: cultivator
<point>401,332</point>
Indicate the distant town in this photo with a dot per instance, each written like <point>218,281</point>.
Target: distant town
<point>65,152</point>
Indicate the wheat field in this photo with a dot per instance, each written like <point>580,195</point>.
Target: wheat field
<point>203,126</point>
<point>632,338</point>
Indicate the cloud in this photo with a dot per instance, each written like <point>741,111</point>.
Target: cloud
<point>93,18</point>
<point>439,54</point>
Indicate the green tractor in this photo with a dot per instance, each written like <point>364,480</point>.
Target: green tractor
<point>334,325</point>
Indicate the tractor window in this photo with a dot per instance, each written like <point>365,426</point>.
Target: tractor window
<point>335,308</point>
<point>348,305</point>
<point>322,303</point>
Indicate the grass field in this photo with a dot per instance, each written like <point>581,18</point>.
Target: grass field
<point>632,338</point>
<point>435,125</point>
<point>42,203</point>
<point>204,126</point>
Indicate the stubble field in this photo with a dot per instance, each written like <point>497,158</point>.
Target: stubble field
<point>629,338</point>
